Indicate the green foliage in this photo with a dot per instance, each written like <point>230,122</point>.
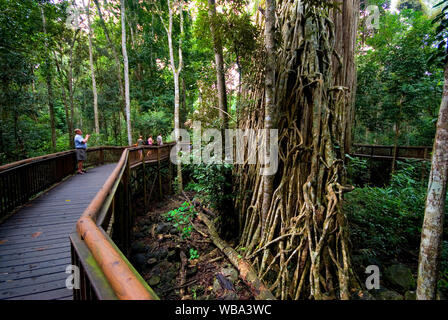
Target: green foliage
<point>212,182</point>
<point>385,223</point>
<point>357,170</point>
<point>194,254</point>
<point>181,219</point>
<point>399,86</point>
<point>388,220</point>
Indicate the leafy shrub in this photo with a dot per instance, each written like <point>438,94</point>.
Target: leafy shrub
<point>194,254</point>
<point>181,218</point>
<point>385,223</point>
<point>388,220</point>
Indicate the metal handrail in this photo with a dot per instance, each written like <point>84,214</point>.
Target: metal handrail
<point>121,276</point>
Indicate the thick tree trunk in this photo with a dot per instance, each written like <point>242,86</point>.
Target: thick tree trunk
<point>92,71</point>
<point>346,26</point>
<point>299,241</point>
<point>432,231</point>
<point>219,65</point>
<point>126,72</point>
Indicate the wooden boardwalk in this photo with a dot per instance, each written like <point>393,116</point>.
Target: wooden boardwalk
<point>34,242</point>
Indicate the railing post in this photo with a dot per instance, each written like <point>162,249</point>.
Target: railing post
<point>158,173</point>
<point>144,179</point>
<point>128,218</point>
<point>101,160</point>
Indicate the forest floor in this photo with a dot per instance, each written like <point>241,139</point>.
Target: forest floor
<point>179,265</point>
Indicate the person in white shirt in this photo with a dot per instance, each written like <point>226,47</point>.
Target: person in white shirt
<point>159,140</point>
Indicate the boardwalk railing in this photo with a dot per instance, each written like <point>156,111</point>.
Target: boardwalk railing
<point>390,152</point>
<point>102,240</point>
<point>22,180</point>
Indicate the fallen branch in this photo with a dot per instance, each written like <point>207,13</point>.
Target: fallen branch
<point>183,273</point>
<point>246,272</point>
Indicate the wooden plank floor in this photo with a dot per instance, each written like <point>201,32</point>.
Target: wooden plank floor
<point>34,242</point>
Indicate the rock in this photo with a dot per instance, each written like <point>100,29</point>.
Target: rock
<point>163,228</point>
<point>138,247</point>
<point>216,286</point>
<point>400,276</point>
<point>389,295</point>
<point>139,235</point>
<point>151,261</point>
<point>230,273</point>
<point>174,230</point>
<point>364,295</point>
<point>191,271</point>
<point>161,254</point>
<point>441,296</point>
<point>139,261</point>
<point>154,280</point>
<point>410,295</point>
<point>172,256</point>
<point>230,295</point>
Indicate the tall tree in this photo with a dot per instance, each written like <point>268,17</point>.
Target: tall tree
<point>115,55</point>
<point>92,72</point>
<point>176,72</point>
<point>126,72</point>
<point>300,245</point>
<point>48,78</point>
<point>432,230</point>
<point>270,116</point>
<point>219,64</point>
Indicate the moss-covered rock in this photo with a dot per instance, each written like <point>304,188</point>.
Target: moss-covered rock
<point>400,276</point>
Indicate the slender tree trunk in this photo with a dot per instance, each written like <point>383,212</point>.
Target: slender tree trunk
<point>432,231</point>
<point>126,72</point>
<point>49,85</point>
<point>71,89</point>
<point>92,70</point>
<point>115,55</point>
<point>219,61</point>
<point>270,108</point>
<point>176,73</point>
<point>64,99</point>
<point>183,116</point>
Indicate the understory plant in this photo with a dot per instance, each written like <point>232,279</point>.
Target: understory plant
<point>386,222</point>
<point>181,218</point>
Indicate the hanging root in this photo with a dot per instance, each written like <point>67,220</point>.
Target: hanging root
<point>302,251</point>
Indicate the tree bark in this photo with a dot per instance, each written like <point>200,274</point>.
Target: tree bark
<point>64,100</point>
<point>92,71</point>
<point>298,241</point>
<point>176,72</point>
<point>270,108</point>
<point>71,89</point>
<point>432,230</point>
<point>126,72</point>
<point>49,85</point>
<point>219,64</point>
<point>346,26</point>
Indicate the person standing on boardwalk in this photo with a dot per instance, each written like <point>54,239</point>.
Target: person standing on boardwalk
<point>81,147</point>
<point>159,140</point>
<point>140,143</point>
<point>150,141</point>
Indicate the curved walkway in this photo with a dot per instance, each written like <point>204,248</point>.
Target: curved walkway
<point>34,242</point>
